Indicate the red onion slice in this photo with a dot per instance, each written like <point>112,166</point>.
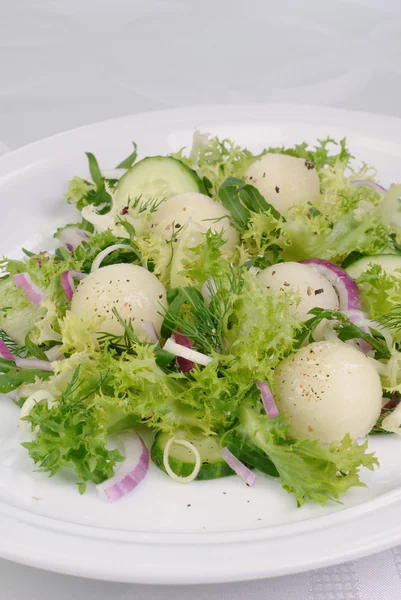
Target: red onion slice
<point>150,330</point>
<point>368,183</point>
<point>24,282</point>
<point>67,282</point>
<point>183,364</point>
<point>72,237</point>
<point>345,286</point>
<point>5,352</point>
<point>238,467</point>
<point>102,255</point>
<point>130,472</point>
<point>392,403</point>
<point>268,399</point>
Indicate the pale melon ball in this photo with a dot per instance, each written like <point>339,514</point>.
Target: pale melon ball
<point>314,289</point>
<point>284,180</point>
<point>178,210</point>
<point>328,389</point>
<point>135,292</point>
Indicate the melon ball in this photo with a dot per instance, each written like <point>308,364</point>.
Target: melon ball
<point>313,289</point>
<point>284,180</point>
<point>136,293</point>
<point>176,211</point>
<point>328,389</point>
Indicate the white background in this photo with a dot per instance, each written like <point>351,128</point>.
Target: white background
<point>68,63</point>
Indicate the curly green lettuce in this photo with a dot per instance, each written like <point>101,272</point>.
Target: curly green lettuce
<point>311,472</point>
<point>261,330</point>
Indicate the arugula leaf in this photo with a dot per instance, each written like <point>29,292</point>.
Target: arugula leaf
<point>345,330</point>
<point>229,197</point>
<point>11,376</point>
<point>34,349</point>
<point>100,195</point>
<point>129,161</point>
<point>242,200</point>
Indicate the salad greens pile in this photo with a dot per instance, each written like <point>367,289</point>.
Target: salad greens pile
<point>102,383</point>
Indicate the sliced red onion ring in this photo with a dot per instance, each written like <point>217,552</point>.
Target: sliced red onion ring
<point>24,282</point>
<point>392,403</point>
<point>240,469</point>
<point>268,399</point>
<point>345,286</point>
<point>130,472</point>
<point>33,363</point>
<point>67,282</point>
<point>183,364</point>
<point>5,352</point>
<point>102,255</point>
<point>368,183</point>
<point>183,352</point>
<point>72,237</point>
<point>150,330</point>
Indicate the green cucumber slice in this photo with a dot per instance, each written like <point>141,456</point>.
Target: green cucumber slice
<point>182,460</point>
<point>390,263</point>
<point>157,177</point>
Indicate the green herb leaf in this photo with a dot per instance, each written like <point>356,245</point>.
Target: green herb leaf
<point>345,330</point>
<point>11,376</point>
<point>129,161</point>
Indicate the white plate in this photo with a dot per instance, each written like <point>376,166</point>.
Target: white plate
<point>165,532</point>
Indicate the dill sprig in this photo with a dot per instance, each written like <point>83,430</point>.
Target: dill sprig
<point>392,320</point>
<point>151,205</point>
<point>204,325</point>
<point>14,348</point>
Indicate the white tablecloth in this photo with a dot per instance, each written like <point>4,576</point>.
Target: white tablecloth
<point>65,63</point>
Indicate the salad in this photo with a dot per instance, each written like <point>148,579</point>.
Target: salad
<point>244,308</point>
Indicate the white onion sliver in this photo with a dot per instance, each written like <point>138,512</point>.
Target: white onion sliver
<point>369,183</point>
<point>166,462</point>
<point>268,399</point>
<point>102,255</point>
<point>24,282</point>
<point>72,237</point>
<point>193,355</point>
<point>240,469</point>
<point>53,353</point>
<point>130,472</point>
<point>150,331</point>
<point>33,363</point>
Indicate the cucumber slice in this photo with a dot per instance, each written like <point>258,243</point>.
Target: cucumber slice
<point>182,460</point>
<point>390,263</point>
<point>157,177</point>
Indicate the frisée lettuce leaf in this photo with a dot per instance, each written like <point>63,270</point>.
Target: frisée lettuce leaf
<point>310,471</point>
